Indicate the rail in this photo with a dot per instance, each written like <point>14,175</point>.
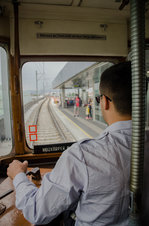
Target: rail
<point>57,125</point>
<point>50,127</point>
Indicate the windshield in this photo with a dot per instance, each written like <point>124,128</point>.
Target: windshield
<point>59,101</point>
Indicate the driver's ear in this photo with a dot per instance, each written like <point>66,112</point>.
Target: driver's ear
<point>105,103</point>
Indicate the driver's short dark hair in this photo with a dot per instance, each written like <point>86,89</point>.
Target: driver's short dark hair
<point>115,83</point>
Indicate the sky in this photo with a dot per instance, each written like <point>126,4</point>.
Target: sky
<point>46,72</point>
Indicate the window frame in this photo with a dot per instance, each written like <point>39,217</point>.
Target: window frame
<point>4,44</point>
<point>26,152</point>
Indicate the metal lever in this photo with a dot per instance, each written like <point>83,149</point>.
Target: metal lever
<point>6,193</point>
<point>35,172</point>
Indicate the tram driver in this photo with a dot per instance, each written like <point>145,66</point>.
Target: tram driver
<point>95,173</point>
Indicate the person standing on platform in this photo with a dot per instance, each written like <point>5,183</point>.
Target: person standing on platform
<point>90,109</point>
<point>94,173</point>
<point>76,106</point>
<point>87,111</point>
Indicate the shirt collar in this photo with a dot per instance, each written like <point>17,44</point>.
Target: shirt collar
<point>120,125</point>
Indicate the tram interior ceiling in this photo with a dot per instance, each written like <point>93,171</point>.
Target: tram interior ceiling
<point>52,55</point>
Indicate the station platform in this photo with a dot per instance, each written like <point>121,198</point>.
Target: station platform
<point>90,127</point>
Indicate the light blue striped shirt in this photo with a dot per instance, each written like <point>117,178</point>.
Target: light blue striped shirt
<point>95,171</point>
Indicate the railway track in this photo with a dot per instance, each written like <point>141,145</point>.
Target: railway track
<point>50,128</point>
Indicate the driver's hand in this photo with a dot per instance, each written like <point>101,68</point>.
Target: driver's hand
<point>16,167</point>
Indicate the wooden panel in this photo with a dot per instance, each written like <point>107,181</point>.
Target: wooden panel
<point>12,216</point>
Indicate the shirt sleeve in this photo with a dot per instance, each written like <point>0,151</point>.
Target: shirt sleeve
<point>58,191</point>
